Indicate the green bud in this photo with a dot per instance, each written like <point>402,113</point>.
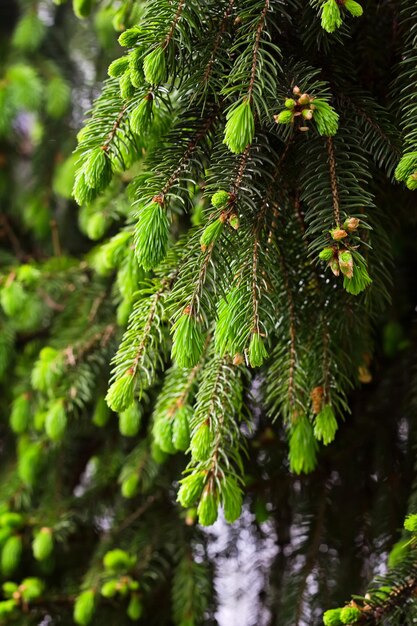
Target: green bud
<point>234,221</point>
<point>130,486</point>
<point>151,235</point>
<point>325,425</point>
<point>121,393</point>
<point>29,32</point>
<point>130,37</point>
<point>118,561</point>
<point>354,8</point>
<point>58,97</point>
<point>207,508</point>
<point>290,103</point>
<point>240,127</point>
<point>43,544</point>
<point>350,615</point>
<point>10,555</point>
<point>83,194</point>
<point>7,607</point>
<point>326,118</point>
<point>127,88</point>
<point>101,413</point>
<point>141,116</point>
<point>56,420</point>
<point>188,341</point>
<point>13,298</point>
<point>30,463</point>
<point>346,263</point>
<point>326,254</point>
<point>220,199</point>
<point>129,420</point>
<point>191,487</point>
<point>154,66</point>
<point>330,16</point>
<point>231,495</point>
<point>162,432</point>
<point>9,589</point>
<point>411,182</point>
<point>134,609</point>
<point>398,553</point>
<point>84,608</point>
<point>158,455</point>
<point>109,588</point>
<point>211,233</point>
<point>406,166</point>
<point>257,352</point>
<point>82,8</point>
<point>332,617</point>
<point>31,588</point>
<point>284,117</point>
<point>360,279</point>
<point>181,428</point>
<point>118,67</point>
<point>410,523</point>
<point>135,67</point>
<point>303,446</point>
<point>201,443</point>
<point>11,519</point>
<point>20,415</point>
<point>96,225</point>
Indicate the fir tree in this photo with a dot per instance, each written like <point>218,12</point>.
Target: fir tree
<point>206,307</point>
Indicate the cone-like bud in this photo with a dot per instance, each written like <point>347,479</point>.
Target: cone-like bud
<point>285,117</point>
<point>326,254</point>
<point>56,420</point>
<point>346,263</point>
<point>307,114</point>
<point>191,487</point>
<point>354,8</point>
<point>118,561</point>
<point>207,507</point>
<point>240,127</point>
<point>20,415</point>
<point>118,67</point>
<point>334,266</point>
<point>181,428</point>
<point>303,446</point>
<point>154,66</point>
<point>127,88</point>
<point>120,394</point>
<point>410,523</point>
<point>332,617</point>
<point>82,8</point>
<point>162,432</point>
<point>338,233</point>
<point>141,116</point>
<point>134,609</point>
<point>326,118</point>
<point>325,425</point>
<point>129,420</point>
<point>109,588</point>
<point>290,103</point>
<point>151,235</point>
<point>220,199</point>
<point>43,544</point>
<point>130,486</point>
<point>304,99</point>
<point>84,608</point>
<point>188,341</point>
<point>10,555</point>
<point>330,16</point>
<point>257,352</point>
<point>201,443</point>
<point>350,615</point>
<point>130,37</point>
<point>101,413</point>
<point>234,221</point>
<point>351,223</point>
<point>97,169</point>
<point>231,496</point>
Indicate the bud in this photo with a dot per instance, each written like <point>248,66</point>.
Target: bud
<point>162,432</point>
<point>31,588</point>
<point>191,517</point>
<point>234,221</point>
<point>129,420</point>
<point>118,67</point>
<point>334,266</point>
<point>285,117</point>
<point>332,617</point>
<point>354,8</point>
<point>350,614</point>
<point>117,560</point>
<point>43,544</point>
<point>316,396</point>
<point>240,127</point>
<point>296,91</point>
<point>207,507</point>
<point>238,359</point>
<point>257,352</point>
<point>351,223</point>
<point>330,16</point>
<point>220,199</point>
<point>181,428</point>
<point>290,103</point>
<point>211,233</point>
<point>10,555</point>
<point>130,486</point>
<point>190,489</point>
<point>304,129</point>
<point>325,425</point>
<point>120,394</point>
<point>326,254</point>
<point>109,588</point>
<point>304,99</point>
<point>134,610</point>
<point>201,443</point>
<point>307,114</point>
<point>20,415</point>
<point>346,263</point>
<point>338,233</point>
<point>410,523</point>
<point>84,608</point>
<point>56,420</point>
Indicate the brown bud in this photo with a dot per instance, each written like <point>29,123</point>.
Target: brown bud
<point>304,129</point>
<point>238,359</point>
<point>338,234</point>
<point>316,396</point>
<point>234,221</point>
<point>304,99</point>
<point>296,90</point>
<point>364,374</point>
<point>159,199</point>
<point>351,223</point>
<point>334,266</point>
<point>307,114</point>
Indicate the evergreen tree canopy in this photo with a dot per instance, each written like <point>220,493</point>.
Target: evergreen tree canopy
<point>206,310</point>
